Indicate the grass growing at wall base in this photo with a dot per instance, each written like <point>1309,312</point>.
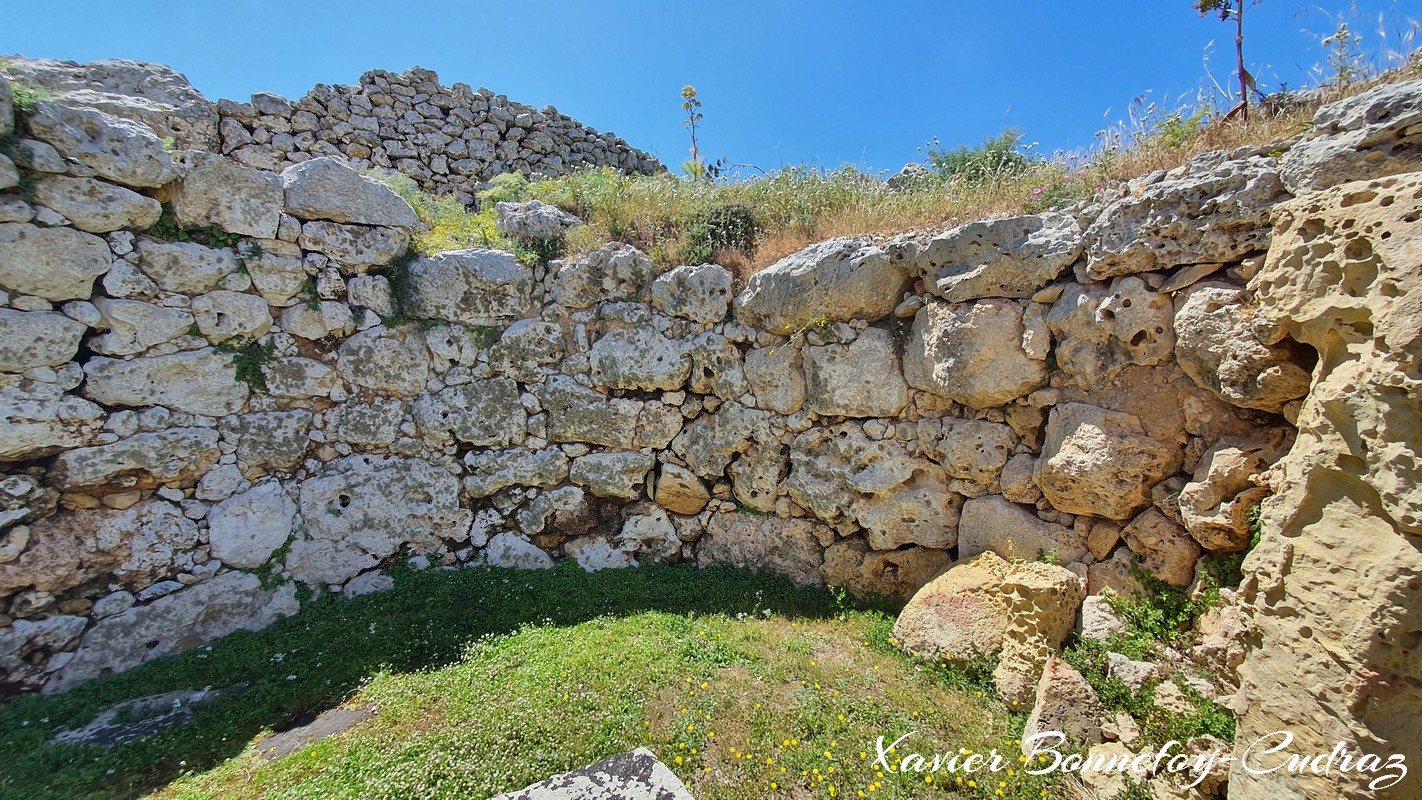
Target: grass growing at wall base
<point>489,680</point>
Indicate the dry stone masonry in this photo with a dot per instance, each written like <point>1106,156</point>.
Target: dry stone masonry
<point>1000,422</point>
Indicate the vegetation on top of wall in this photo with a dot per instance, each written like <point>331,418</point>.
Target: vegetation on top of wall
<point>678,220</point>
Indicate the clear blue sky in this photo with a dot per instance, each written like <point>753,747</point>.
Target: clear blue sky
<point>781,82</point>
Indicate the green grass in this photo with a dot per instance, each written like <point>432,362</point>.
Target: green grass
<point>490,680</point>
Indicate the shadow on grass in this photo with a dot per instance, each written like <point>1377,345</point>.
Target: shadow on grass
<point>318,658</point>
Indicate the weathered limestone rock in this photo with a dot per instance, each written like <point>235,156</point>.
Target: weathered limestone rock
<point>485,413</point>
<point>95,206</point>
<point>30,339</point>
<point>579,414</point>
<point>1217,347</point>
<point>186,267</point>
<point>354,247</point>
<point>680,491</point>
<point>838,280</point>
<point>473,287</point>
<point>974,450</point>
<point>564,511</point>
<point>849,481</point>
<point>40,420</point>
<point>1212,209</point>
<point>972,353</point>
<point>612,474</point>
<point>24,639</point>
<point>861,379</point>
<point>54,263</point>
<point>215,191</point>
<point>1101,463</point>
<point>492,471</point>
<point>372,424</point>
<point>1166,550</point>
<point>180,621</point>
<point>223,315</point>
<point>318,321</point>
<point>199,382</point>
<point>849,563</point>
<point>1011,257</point>
<point>269,440</point>
<point>639,358</point>
<point>245,529</point>
<point>297,377</point>
<point>775,378</point>
<point>534,221</point>
<point>133,326</point>
<point>649,534</point>
<point>278,275</point>
<point>637,775</point>
<point>716,367</point>
<point>325,188</point>
<point>710,443</point>
<point>1067,704</point>
<point>177,455</point>
<point>1229,482</point>
<point>985,605</point>
<point>361,509</point>
<point>1332,596</point>
<point>385,361</point>
<point>138,544</point>
<point>790,547</point>
<point>1100,329</point>
<point>613,272</point>
<point>700,294</point>
<point>155,95</point>
<point>756,475</point>
<point>1370,135</point>
<point>525,348</point>
<point>122,151</point>
<point>992,523</point>
<point>512,551</point>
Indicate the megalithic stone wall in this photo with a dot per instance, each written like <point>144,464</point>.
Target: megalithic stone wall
<point>196,435</point>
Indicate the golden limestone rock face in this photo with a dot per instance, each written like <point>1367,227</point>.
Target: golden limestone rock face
<point>1333,591</point>
<point>1018,610</point>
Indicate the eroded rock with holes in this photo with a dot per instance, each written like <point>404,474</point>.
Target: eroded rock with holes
<point>1333,592</point>
<point>1369,135</point>
<point>1020,611</point>
<point>1215,208</point>
<point>1100,329</point>
<point>1217,347</point>
<point>123,151</point>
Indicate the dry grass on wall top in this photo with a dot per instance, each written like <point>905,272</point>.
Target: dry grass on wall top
<point>664,215</point>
